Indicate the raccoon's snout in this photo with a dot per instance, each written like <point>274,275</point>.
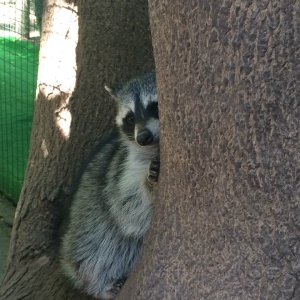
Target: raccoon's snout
<point>144,138</point>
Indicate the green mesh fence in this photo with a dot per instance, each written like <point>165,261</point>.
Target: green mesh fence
<point>19,46</point>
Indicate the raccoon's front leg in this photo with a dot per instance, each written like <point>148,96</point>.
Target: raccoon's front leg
<point>153,171</point>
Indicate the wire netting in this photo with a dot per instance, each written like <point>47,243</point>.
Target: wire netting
<point>19,46</point>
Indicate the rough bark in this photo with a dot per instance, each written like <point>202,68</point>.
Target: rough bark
<point>227,218</point>
<point>114,44</point>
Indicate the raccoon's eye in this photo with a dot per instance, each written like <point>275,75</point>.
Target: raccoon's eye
<point>129,119</point>
<point>153,109</point>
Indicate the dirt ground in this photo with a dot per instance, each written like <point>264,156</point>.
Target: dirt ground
<point>7,211</point>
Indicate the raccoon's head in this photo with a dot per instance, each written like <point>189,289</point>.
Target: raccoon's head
<point>137,116</point>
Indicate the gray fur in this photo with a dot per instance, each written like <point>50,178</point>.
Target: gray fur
<point>112,206</point>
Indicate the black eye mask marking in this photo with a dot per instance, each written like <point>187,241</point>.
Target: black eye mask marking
<point>128,125</point>
<point>129,119</point>
<point>152,109</point>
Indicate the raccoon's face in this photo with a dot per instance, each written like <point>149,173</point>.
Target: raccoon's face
<point>140,122</point>
<point>137,116</point>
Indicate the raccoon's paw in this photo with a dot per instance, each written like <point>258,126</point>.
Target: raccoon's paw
<point>118,285</point>
<point>113,290</point>
<point>153,171</point>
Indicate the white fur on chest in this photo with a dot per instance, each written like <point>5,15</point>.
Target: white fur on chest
<point>132,207</point>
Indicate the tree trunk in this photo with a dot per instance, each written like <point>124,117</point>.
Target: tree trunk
<point>72,111</point>
<point>227,218</point>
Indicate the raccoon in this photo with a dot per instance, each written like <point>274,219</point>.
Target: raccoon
<point>111,209</point>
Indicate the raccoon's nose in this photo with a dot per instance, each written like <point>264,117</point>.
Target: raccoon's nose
<point>144,138</point>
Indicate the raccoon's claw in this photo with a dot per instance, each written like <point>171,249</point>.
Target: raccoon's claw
<point>117,286</point>
<point>154,170</point>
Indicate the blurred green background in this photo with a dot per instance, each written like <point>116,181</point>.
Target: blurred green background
<point>18,74</point>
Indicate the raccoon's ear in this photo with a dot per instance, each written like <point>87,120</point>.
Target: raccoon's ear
<point>110,90</point>
<point>113,91</point>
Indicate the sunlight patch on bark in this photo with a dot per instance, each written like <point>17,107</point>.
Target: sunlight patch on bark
<point>57,69</point>
<point>44,148</point>
<point>63,120</point>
